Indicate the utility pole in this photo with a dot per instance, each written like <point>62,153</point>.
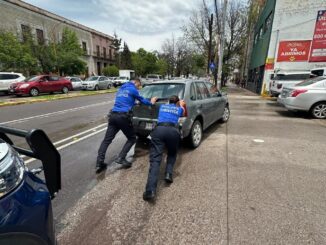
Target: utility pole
<point>210,30</point>
<point>221,49</point>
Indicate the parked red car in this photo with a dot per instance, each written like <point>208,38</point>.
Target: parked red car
<point>41,84</point>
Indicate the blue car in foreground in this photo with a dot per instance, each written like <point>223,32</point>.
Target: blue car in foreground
<point>25,199</point>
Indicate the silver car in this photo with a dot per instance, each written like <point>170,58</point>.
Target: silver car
<point>76,82</point>
<point>96,83</point>
<point>204,106</point>
<point>309,96</point>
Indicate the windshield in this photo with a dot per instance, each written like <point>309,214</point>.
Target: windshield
<point>310,81</point>
<point>288,77</point>
<point>152,76</point>
<point>91,79</point>
<point>163,91</point>
<point>32,78</point>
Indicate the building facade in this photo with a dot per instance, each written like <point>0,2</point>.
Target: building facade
<point>18,16</point>
<point>285,40</point>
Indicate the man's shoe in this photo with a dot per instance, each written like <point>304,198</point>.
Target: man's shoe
<point>168,178</point>
<point>149,195</point>
<point>100,166</point>
<point>124,162</point>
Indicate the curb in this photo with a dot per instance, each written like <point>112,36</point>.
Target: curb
<point>31,101</point>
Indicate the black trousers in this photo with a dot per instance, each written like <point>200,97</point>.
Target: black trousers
<point>162,136</point>
<point>117,122</point>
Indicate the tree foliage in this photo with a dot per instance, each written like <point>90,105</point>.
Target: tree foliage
<point>15,55</point>
<point>111,71</point>
<point>125,62</point>
<point>31,57</point>
<point>69,53</point>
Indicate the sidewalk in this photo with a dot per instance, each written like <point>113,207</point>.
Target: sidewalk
<point>259,179</point>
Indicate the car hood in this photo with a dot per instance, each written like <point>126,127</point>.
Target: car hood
<point>3,149</point>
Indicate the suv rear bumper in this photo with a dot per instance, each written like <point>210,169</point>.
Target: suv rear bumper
<point>142,126</point>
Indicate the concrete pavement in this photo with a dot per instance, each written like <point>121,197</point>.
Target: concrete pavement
<point>257,180</point>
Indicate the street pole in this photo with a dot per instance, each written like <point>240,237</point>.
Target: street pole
<point>221,49</point>
<point>210,30</point>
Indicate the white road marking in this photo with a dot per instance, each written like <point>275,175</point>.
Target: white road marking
<point>55,113</point>
<point>71,143</point>
<point>259,141</point>
<point>74,136</point>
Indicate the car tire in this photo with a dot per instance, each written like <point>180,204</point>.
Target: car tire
<point>96,88</point>
<point>34,92</point>
<point>196,134</point>
<point>109,86</point>
<point>318,110</point>
<point>226,114</point>
<point>65,90</point>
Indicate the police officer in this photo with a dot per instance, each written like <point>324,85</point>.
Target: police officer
<point>165,134</point>
<point>120,119</point>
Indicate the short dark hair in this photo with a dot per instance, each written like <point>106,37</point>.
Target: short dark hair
<point>174,99</point>
<point>137,80</point>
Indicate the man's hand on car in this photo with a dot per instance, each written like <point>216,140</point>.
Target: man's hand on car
<point>153,100</point>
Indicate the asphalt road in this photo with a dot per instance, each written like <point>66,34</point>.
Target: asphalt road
<point>61,119</point>
<point>259,179</point>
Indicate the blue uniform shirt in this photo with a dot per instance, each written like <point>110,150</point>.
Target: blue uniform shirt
<point>126,96</point>
<point>169,113</point>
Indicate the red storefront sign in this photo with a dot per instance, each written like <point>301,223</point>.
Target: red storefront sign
<point>318,47</point>
<point>292,51</point>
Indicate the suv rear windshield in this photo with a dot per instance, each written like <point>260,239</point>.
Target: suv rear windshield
<point>288,77</point>
<point>163,91</point>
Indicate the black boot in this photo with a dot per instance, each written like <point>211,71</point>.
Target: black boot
<point>124,162</point>
<point>100,166</point>
<point>168,178</point>
<point>149,195</point>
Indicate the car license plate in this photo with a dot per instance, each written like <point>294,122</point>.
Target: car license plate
<point>149,126</point>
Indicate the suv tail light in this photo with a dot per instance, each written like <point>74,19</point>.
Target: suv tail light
<point>279,86</point>
<point>296,92</point>
<point>186,112</point>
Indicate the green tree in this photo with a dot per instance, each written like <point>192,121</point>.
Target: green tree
<point>111,71</point>
<point>144,62</point>
<point>125,62</point>
<point>162,67</point>
<point>68,54</point>
<point>15,55</point>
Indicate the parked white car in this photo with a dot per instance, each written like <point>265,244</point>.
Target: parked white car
<point>7,78</point>
<point>153,78</point>
<point>286,79</point>
<point>309,96</point>
<point>76,82</point>
<point>96,83</point>
<point>120,80</point>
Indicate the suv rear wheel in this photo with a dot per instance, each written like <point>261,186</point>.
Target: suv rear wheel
<point>196,134</point>
<point>319,110</point>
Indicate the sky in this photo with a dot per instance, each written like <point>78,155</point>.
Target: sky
<point>141,24</point>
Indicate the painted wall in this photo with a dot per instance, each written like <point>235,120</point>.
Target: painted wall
<point>293,20</point>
